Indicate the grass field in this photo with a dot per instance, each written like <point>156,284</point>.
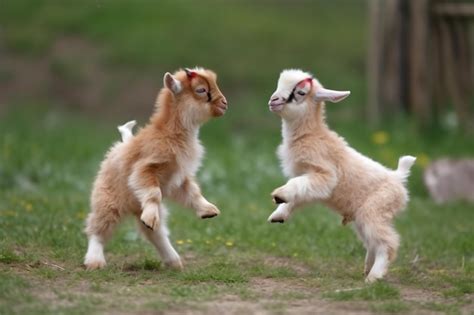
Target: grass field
<point>234,262</point>
<point>237,262</point>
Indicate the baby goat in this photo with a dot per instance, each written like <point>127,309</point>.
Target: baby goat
<point>324,168</point>
<point>159,161</point>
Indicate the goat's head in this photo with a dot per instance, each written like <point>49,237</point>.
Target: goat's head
<point>197,94</point>
<point>297,91</point>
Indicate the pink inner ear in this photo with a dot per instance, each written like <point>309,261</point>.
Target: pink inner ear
<point>303,82</point>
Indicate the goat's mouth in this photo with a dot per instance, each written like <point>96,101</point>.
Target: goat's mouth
<point>276,106</point>
<point>219,110</point>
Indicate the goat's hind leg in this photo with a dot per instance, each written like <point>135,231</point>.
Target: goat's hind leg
<point>369,260</point>
<point>384,243</point>
<point>99,227</point>
<point>370,254</point>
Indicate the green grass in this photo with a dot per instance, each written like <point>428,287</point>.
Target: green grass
<point>47,163</point>
<point>391,307</point>
<point>375,292</point>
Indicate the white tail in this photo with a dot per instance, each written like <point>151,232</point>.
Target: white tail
<point>404,165</point>
<point>126,130</point>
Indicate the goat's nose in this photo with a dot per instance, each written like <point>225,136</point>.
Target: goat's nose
<point>224,101</point>
<point>273,99</point>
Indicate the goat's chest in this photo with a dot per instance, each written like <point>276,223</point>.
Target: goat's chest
<point>188,162</point>
<point>287,159</point>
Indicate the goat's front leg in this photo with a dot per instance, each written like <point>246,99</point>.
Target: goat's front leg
<point>305,188</point>
<point>189,195</point>
<point>144,183</point>
<point>282,213</point>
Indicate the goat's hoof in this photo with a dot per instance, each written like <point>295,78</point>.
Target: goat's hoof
<point>209,212</point>
<point>371,279</point>
<point>175,265</point>
<point>150,227</point>
<point>277,218</point>
<point>208,215</point>
<point>277,221</point>
<point>150,219</point>
<point>278,200</point>
<point>94,265</point>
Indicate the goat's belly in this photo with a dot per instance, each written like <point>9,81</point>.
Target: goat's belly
<point>347,198</point>
<point>175,181</point>
<point>341,206</point>
<point>113,196</point>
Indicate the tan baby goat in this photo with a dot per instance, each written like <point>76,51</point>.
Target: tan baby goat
<point>323,168</point>
<point>159,161</point>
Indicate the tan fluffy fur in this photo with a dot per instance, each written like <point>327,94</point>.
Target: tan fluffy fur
<point>323,168</point>
<point>160,161</point>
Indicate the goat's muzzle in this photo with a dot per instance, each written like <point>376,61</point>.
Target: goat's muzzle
<point>220,107</point>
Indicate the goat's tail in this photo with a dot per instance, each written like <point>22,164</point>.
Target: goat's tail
<point>126,130</point>
<point>404,165</point>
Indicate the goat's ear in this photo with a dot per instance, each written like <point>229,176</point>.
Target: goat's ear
<point>190,73</point>
<point>323,94</point>
<point>171,83</point>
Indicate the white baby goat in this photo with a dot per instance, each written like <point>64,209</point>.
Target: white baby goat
<point>322,167</point>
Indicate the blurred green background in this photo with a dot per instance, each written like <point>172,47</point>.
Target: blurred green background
<point>104,61</point>
<point>118,45</point>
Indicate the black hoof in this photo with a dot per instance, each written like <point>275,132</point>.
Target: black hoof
<point>278,200</point>
<point>278,221</point>
<point>147,225</point>
<point>208,216</point>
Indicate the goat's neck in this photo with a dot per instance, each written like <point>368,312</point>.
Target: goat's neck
<point>168,118</point>
<point>312,123</point>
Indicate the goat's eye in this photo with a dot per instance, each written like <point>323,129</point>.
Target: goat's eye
<point>301,93</point>
<point>201,90</point>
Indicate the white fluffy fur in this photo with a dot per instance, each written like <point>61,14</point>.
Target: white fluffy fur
<point>95,252</point>
<point>191,162</point>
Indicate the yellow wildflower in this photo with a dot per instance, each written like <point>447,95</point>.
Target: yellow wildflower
<point>229,243</point>
<point>189,241</point>
<point>380,137</point>
<point>81,215</point>
<point>253,207</point>
<point>180,242</point>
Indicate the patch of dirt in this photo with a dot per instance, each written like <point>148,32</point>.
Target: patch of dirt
<point>299,268</point>
<point>277,296</point>
<point>418,295</point>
